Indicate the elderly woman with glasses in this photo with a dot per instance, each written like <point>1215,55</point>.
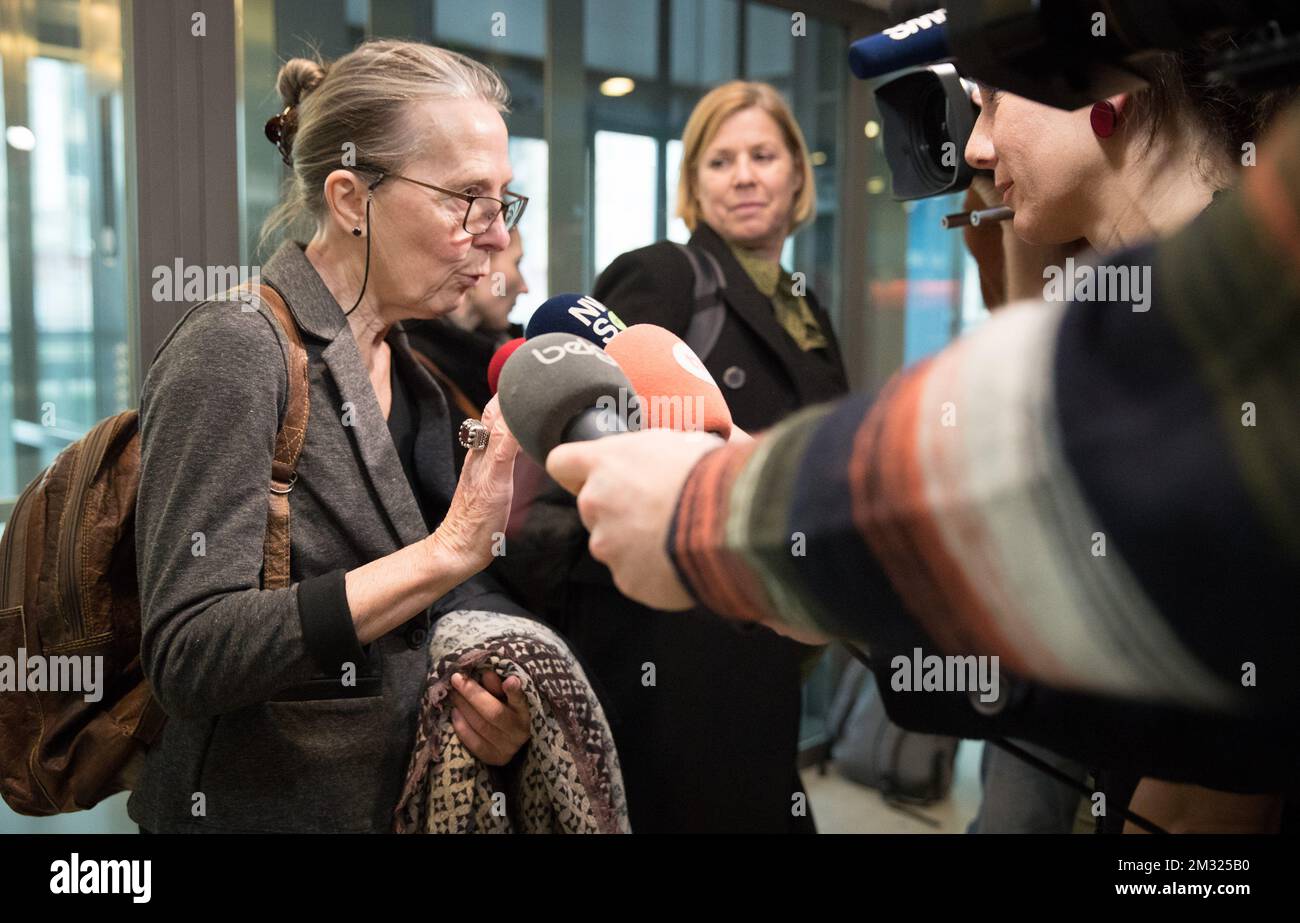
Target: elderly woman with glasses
<point>292,687</point>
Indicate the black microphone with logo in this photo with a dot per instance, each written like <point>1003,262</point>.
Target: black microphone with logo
<point>560,387</point>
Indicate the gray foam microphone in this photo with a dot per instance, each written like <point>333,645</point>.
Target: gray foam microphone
<point>558,388</point>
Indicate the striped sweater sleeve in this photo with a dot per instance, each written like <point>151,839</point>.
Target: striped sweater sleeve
<point>1106,494</point>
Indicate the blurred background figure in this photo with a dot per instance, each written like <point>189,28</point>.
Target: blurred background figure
<point>486,308</point>
<point>457,348</point>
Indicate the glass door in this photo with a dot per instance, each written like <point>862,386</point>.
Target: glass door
<point>64,331</point>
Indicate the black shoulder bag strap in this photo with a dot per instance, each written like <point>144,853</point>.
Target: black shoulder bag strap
<point>710,311</point>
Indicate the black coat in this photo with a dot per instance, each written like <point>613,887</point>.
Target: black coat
<point>711,746</point>
<point>775,377</point>
<point>463,357</point>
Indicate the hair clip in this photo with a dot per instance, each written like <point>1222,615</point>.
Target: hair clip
<point>279,129</point>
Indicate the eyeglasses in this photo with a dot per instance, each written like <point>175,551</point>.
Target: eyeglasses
<point>483,209</point>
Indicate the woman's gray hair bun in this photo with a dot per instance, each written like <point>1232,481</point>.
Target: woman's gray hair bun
<point>298,77</point>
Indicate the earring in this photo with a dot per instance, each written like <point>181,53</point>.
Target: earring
<point>356,232</point>
<point>1104,118</point>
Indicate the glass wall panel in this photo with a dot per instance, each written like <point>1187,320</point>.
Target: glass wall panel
<point>625,194</point>
<point>769,44</point>
<point>528,157</point>
<point>703,41</point>
<point>677,229</point>
<point>516,27</point>
<point>64,332</point>
<point>622,36</point>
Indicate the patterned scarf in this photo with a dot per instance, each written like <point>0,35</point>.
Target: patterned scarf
<point>566,779</point>
<point>792,311</point>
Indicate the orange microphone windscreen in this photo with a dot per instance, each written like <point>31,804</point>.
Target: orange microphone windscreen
<point>504,351</point>
<point>676,391</point>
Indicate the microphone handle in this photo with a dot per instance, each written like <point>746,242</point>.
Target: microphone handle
<point>593,423</point>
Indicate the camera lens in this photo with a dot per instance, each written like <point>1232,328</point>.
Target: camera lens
<point>931,134</point>
<point>928,116</point>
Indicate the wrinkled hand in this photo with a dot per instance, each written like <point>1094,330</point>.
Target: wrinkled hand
<point>627,488</point>
<point>490,717</point>
<point>481,504</point>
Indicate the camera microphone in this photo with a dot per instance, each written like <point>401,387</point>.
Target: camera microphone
<point>920,40</point>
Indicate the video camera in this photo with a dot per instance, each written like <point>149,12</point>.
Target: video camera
<point>1064,53</point>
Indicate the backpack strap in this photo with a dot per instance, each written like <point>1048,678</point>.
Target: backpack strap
<point>288,446</point>
<point>467,406</point>
<point>710,310</point>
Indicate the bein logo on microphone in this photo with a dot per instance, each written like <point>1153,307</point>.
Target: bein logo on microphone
<point>907,29</point>
<point>549,355</point>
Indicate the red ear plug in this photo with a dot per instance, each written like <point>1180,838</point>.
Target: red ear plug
<point>1105,119</point>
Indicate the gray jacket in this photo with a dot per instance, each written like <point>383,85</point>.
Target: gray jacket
<point>262,734</point>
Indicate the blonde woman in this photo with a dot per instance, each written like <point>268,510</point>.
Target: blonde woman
<point>711,744</point>
<point>746,185</point>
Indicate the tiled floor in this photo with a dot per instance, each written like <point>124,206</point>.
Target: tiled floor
<point>841,806</point>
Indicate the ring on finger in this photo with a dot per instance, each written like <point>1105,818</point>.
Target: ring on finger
<point>473,435</point>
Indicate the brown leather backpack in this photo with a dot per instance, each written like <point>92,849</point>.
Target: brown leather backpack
<point>68,590</point>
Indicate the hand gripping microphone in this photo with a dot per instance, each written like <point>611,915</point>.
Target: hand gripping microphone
<point>561,388</point>
<point>580,315</point>
<point>674,389</point>
<point>504,352</point>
